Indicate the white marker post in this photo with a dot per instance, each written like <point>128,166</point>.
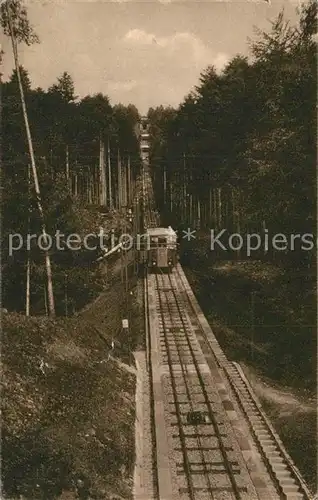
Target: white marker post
<point>125,325</point>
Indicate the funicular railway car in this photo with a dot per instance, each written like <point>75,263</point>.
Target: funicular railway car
<point>162,249</point>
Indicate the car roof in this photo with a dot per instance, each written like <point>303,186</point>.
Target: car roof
<point>161,231</point>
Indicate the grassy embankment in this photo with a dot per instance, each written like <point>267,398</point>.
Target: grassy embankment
<point>68,411</point>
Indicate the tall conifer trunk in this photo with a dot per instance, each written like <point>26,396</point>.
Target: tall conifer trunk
<point>51,306</point>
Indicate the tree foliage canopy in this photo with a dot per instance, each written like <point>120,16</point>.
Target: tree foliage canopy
<point>251,128</point>
<point>64,129</point>
<point>13,15</point>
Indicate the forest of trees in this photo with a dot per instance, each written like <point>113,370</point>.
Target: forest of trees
<point>240,151</point>
<point>65,162</point>
<point>82,147</point>
<point>68,134</point>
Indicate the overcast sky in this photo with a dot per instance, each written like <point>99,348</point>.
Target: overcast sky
<point>146,53</point>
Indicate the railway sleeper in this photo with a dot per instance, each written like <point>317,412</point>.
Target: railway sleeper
<point>193,393</point>
<point>207,470</point>
<point>228,489</point>
<point>177,403</point>
<point>195,435</point>
<point>205,448</point>
<point>206,422</point>
<point>216,463</point>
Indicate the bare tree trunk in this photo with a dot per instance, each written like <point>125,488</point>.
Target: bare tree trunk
<point>105,179</point>
<point>109,177</point>
<point>45,301</point>
<point>65,295</point>
<point>184,202</point>
<point>75,185</point>
<point>183,190</point>
<point>129,182</point>
<point>100,202</point>
<point>233,210</point>
<point>216,217</point>
<point>27,297</point>
<point>34,170</point>
<point>51,164</point>
<point>220,207</point>
<point>125,185</point>
<point>238,227</point>
<point>180,194</point>
<point>96,186</point>
<point>67,167</point>
<point>27,294</point>
<point>91,181</point>
<point>119,180</point>
<point>225,212</point>
<point>102,174</point>
<point>164,185</point>
<point>89,186</point>
<point>210,206</point>
<point>190,210</point>
<point>236,216</point>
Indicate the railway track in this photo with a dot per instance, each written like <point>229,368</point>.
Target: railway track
<point>208,461</point>
<point>151,218</point>
<point>284,474</point>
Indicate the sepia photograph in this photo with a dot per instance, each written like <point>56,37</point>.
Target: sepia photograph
<point>158,249</point>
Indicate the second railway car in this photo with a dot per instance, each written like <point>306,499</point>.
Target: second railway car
<point>162,248</point>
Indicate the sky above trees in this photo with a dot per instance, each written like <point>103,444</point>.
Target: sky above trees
<point>148,53</point>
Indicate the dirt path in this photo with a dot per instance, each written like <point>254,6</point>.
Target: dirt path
<point>288,402</point>
<point>294,416</point>
<point>143,478</point>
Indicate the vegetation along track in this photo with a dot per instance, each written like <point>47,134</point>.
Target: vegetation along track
<point>209,464</point>
<point>286,477</point>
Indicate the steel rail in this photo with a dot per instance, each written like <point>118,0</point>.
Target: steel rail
<point>242,401</point>
<point>175,395</point>
<point>187,391</point>
<point>227,463</point>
